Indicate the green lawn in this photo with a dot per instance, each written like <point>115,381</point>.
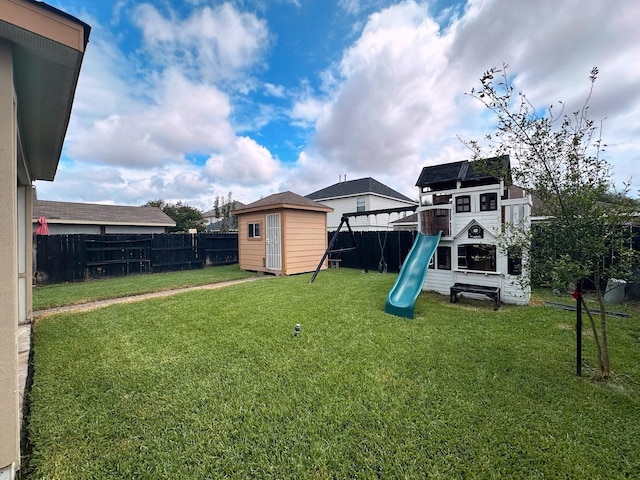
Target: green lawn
<point>212,384</point>
<point>50,296</point>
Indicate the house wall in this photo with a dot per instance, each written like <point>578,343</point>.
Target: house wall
<point>9,283</point>
<point>304,240</point>
<point>251,251</point>
<point>364,223</point>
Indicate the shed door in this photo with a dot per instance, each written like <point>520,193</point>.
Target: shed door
<point>274,251</point>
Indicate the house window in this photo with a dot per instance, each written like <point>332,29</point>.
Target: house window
<point>488,201</point>
<point>444,258</point>
<point>254,230</point>
<point>477,257</point>
<point>360,206</point>
<point>463,204</point>
<point>514,261</point>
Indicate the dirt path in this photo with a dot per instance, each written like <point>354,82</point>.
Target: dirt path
<point>84,307</point>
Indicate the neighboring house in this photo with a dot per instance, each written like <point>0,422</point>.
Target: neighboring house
<point>408,223</point>
<point>41,50</point>
<point>470,207</point>
<point>217,223</point>
<point>283,234</point>
<point>363,194</point>
<point>91,218</point>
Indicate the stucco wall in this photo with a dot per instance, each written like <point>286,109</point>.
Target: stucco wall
<point>9,297</point>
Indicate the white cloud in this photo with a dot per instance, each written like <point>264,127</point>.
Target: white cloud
<point>393,96</point>
<point>244,163</point>
<point>306,111</point>
<point>216,43</point>
<point>274,90</point>
<point>186,117</point>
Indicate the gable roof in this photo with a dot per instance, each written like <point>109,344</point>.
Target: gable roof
<point>91,213</point>
<point>283,200</point>
<point>466,171</point>
<point>358,187</point>
<point>48,48</point>
<point>413,218</point>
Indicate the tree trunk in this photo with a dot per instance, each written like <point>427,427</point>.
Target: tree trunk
<point>604,347</point>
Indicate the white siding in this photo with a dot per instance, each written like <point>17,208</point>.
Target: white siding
<point>364,223</point>
<point>61,229</point>
<point>130,229</point>
<point>516,211</point>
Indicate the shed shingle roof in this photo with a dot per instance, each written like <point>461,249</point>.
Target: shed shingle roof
<point>70,212</point>
<point>283,200</point>
<point>358,187</point>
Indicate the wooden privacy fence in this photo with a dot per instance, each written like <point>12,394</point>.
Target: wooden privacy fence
<point>68,258</point>
<point>396,248</point>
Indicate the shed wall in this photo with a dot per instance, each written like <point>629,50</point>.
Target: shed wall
<point>305,240</point>
<point>251,251</point>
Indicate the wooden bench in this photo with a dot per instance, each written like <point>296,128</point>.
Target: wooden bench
<point>334,262</point>
<point>491,292</point>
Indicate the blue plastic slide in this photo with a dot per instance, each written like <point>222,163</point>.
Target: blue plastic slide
<point>402,297</point>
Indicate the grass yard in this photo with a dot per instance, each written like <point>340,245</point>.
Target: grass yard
<point>212,384</point>
<point>50,296</point>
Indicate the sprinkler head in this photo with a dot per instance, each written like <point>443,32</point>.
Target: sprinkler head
<point>296,330</point>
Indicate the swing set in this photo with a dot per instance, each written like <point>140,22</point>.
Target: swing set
<point>344,220</point>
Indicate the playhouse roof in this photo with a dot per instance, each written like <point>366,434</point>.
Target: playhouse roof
<point>466,171</point>
<point>283,200</point>
<point>357,187</point>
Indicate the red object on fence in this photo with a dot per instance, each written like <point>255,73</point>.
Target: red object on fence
<point>42,228</point>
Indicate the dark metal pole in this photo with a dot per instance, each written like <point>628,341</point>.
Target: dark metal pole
<point>578,297</point>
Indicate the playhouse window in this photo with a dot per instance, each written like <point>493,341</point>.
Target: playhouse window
<point>463,204</point>
<point>477,257</point>
<point>488,201</point>
<point>514,261</point>
<point>444,258</point>
<point>360,205</point>
<point>254,230</point>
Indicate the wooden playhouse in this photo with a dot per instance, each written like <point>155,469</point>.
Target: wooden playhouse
<point>470,203</point>
<point>283,234</point>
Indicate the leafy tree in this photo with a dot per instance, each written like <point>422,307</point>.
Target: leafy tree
<point>185,216</point>
<point>557,156</point>
<point>222,208</point>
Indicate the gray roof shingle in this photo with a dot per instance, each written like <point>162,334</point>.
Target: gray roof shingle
<point>465,171</point>
<point>70,212</point>
<point>360,186</point>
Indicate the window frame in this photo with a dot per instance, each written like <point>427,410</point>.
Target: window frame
<point>251,230</point>
<point>488,202</point>
<point>443,253</point>
<point>463,204</point>
<point>359,207</point>
<point>467,251</point>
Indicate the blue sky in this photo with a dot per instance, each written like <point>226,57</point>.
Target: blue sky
<point>189,100</point>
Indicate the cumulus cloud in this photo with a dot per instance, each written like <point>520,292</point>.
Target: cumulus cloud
<point>216,43</point>
<point>245,163</point>
<point>393,95</point>
<point>186,117</point>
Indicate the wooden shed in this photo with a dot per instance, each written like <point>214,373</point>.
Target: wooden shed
<point>283,234</point>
